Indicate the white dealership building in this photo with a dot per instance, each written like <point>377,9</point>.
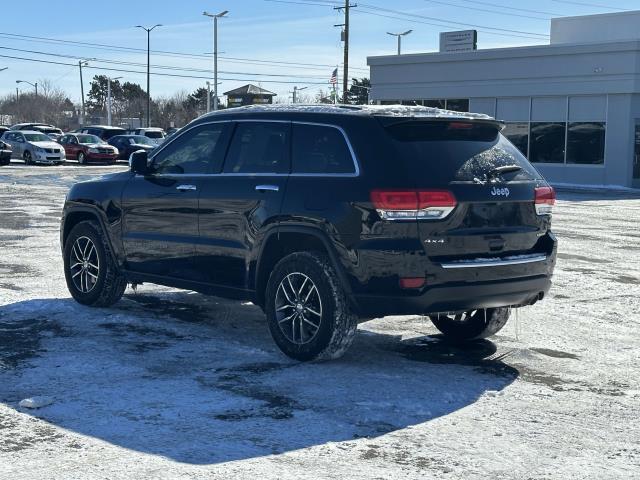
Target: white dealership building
<point>572,106</point>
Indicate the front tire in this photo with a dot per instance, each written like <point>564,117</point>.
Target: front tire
<point>472,325</point>
<point>26,156</point>
<point>307,309</point>
<point>90,271</point>
<point>82,159</point>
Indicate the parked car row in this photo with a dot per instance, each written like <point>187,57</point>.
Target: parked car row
<point>47,144</point>
<point>34,147</point>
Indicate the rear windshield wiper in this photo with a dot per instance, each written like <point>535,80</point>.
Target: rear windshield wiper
<point>498,171</point>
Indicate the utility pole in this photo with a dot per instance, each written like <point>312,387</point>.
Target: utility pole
<point>399,35</point>
<point>215,17</point>
<point>345,73</point>
<point>295,93</point>
<point>82,63</point>
<point>148,30</point>
<point>208,97</point>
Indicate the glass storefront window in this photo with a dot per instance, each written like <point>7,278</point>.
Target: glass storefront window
<point>547,142</point>
<point>458,104</point>
<point>585,143</point>
<point>518,134</point>
<point>434,103</point>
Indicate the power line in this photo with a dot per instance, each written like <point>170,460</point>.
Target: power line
<point>119,48</point>
<point>175,75</point>
<point>466,7</point>
<point>164,67</point>
<point>421,22</point>
<point>438,22</point>
<point>472,25</point>
<point>513,8</point>
<point>585,4</point>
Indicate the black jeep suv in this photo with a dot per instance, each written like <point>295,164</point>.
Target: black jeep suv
<point>324,215</point>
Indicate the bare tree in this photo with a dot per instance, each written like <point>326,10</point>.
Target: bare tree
<point>50,106</point>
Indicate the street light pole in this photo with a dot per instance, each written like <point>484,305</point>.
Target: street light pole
<point>399,35</point>
<point>149,30</point>
<point>34,85</point>
<point>215,17</point>
<point>82,63</point>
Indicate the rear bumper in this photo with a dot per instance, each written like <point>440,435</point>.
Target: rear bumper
<point>456,297</point>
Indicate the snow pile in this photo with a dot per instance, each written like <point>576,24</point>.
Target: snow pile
<point>36,402</point>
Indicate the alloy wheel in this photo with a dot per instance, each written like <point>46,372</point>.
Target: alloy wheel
<point>84,264</point>
<point>298,308</point>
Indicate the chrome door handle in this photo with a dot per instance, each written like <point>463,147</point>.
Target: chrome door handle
<point>267,188</point>
<point>184,188</point>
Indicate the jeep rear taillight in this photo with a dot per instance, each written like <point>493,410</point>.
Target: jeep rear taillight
<point>413,204</point>
<point>545,199</point>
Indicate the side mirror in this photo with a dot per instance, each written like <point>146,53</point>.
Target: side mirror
<point>139,162</point>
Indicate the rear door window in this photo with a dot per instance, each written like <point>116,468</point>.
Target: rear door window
<point>259,147</point>
<point>319,149</point>
<point>450,151</point>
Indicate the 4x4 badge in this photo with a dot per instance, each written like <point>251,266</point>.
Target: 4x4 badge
<point>500,192</point>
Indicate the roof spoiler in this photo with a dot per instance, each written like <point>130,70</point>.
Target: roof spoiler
<point>485,122</point>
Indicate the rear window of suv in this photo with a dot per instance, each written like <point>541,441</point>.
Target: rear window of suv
<point>259,147</point>
<point>319,149</point>
<point>450,151</point>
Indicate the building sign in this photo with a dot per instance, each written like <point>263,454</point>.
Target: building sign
<point>462,41</point>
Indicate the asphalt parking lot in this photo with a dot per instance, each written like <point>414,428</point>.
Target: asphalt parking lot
<point>172,384</point>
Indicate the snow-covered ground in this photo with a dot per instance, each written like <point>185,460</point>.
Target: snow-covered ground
<point>173,384</point>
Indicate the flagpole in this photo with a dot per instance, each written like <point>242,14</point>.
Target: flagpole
<point>335,87</point>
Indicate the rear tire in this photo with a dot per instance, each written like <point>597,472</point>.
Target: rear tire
<point>472,325</point>
<point>92,276</point>
<point>307,309</point>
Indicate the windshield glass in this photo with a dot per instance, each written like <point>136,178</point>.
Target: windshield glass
<point>140,140</point>
<point>88,139</point>
<point>155,134</point>
<point>36,137</point>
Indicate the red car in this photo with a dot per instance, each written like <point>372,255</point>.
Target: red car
<point>84,147</point>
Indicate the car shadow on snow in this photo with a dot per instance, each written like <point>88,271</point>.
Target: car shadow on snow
<point>198,379</point>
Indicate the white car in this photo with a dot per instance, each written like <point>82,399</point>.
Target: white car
<point>155,134</point>
<point>34,147</point>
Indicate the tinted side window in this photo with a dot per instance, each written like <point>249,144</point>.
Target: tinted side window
<point>259,147</point>
<point>320,149</point>
<point>197,151</point>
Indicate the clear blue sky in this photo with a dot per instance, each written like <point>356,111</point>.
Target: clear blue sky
<point>256,29</point>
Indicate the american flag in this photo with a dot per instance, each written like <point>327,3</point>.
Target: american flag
<point>334,77</point>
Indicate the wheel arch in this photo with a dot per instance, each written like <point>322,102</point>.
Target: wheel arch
<point>80,214</point>
<point>282,241</point>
